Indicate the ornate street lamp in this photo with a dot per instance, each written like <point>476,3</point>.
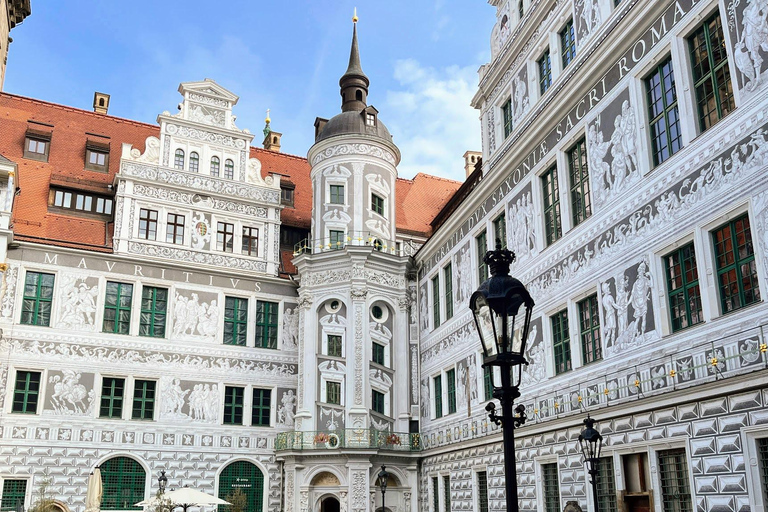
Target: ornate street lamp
<point>162,481</point>
<point>502,309</point>
<point>383,478</point>
<point>591,443</point>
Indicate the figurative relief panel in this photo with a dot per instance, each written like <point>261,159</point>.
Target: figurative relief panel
<point>500,32</point>
<point>290,327</point>
<point>627,309</point>
<point>193,319</point>
<point>521,224</point>
<point>587,18</point>
<point>613,163</point>
<point>287,408</point>
<point>520,102</point>
<point>78,308</point>
<point>425,398</point>
<point>760,230</point>
<point>536,371</point>
<point>466,381</point>
<point>189,401</point>
<point>462,276</point>
<point>748,28</point>
<point>424,307</point>
<point>70,393</point>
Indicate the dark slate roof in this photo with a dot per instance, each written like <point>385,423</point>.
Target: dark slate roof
<point>353,123</point>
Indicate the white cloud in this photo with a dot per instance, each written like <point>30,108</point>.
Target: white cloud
<point>430,117</point>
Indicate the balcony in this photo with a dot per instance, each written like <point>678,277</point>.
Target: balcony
<point>356,239</point>
<point>348,439</point>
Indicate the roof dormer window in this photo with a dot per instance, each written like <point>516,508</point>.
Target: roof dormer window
<point>370,119</point>
<point>96,156</point>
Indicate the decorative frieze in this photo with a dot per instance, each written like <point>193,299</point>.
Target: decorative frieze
<point>207,258</point>
<point>354,149</point>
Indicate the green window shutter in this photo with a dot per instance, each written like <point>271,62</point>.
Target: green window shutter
<point>117,308</point>
<point>235,321</point>
<point>736,268</point>
<point>143,400</point>
<point>266,324</point>
<point>334,345</point>
<point>436,301</point>
<point>123,481</point>
<point>112,390</point>
<point>673,473</point>
<point>551,191</point>
<point>450,376</point>
<point>261,407</point>
<point>482,491</point>
<point>438,396</point>
<point>589,327</point>
<point>378,402</point>
<point>38,296</point>
<point>154,304</point>
<point>683,288</point>
<point>14,492</point>
<point>481,243</point>
<point>26,392</point>
<point>233,405</point>
<point>246,477</point>
<point>378,354</point>
<point>579,171</point>
<point>561,341</point>
<point>448,280</point>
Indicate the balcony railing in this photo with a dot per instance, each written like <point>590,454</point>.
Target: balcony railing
<point>348,438</point>
<point>353,238</point>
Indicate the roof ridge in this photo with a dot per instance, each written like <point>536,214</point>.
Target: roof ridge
<point>280,153</point>
<point>75,109</point>
<point>434,176</point>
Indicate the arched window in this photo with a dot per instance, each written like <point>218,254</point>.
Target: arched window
<point>215,166</point>
<point>229,169</point>
<point>248,478</point>
<point>178,161</point>
<point>194,162</point>
<point>359,95</point>
<point>123,480</point>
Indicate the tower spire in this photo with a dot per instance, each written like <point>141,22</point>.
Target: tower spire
<point>354,83</point>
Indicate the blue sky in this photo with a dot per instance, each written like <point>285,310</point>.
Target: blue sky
<point>421,56</point>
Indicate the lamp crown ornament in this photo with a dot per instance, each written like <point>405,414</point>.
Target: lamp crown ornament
<point>498,261</point>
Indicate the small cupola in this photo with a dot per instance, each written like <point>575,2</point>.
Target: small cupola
<point>271,138</point>
<point>100,102</point>
<point>354,83</point>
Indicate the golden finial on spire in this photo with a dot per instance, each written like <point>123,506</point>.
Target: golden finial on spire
<point>354,16</point>
<point>267,120</point>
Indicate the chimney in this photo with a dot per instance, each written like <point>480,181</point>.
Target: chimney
<point>470,159</point>
<point>100,102</point>
<point>272,141</point>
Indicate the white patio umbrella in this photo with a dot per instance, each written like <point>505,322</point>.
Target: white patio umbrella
<point>185,498</point>
<point>94,492</point>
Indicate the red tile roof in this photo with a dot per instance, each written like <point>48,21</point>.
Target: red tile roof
<point>418,200</point>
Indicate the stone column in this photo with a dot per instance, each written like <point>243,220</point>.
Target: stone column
<point>356,403</point>
<point>305,391</point>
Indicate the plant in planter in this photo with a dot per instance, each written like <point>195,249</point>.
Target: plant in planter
<point>321,438</point>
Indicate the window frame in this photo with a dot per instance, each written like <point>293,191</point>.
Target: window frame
<point>682,480</point>
<point>561,342</point>
<point>194,161</point>
<point>687,290</point>
<point>118,308</point>
<point>15,489</point>
<point>482,490</point>
<point>261,409</point>
<point>450,378</point>
<point>481,246</point>
<point>335,341</point>
<point>264,328</point>
<point>234,405</point>
<point>437,386</point>
<point>174,228</point>
<point>663,118</point>
<point>436,301</point>
<point>224,229</point>
<point>544,65</point>
<point>238,326</point>
<point>567,38</point>
<point>179,159</point>
<point>378,354</point>
<point>155,327</point>
<point>112,397</point>
<point>500,230</point>
<point>378,398</point>
<point>589,330</point>
<point>737,264</point>
<point>552,211</point>
<point>578,170</point>
<point>103,167</point>
<point>337,194</point>
<point>148,222</point>
<point>36,155</point>
<point>250,243</point>
<point>43,294</point>
<point>550,500</point>
<point>377,204</point>
<point>506,116</point>
<point>333,392</point>
<point>215,166</point>
<point>26,406</point>
<point>146,404</point>
<point>229,169</point>
<point>448,290</point>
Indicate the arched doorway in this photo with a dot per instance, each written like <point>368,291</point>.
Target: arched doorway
<point>330,504</point>
<point>246,477</point>
<point>123,481</point>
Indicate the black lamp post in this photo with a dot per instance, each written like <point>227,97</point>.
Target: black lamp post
<point>591,443</point>
<point>383,479</point>
<point>162,481</point>
<point>496,306</point>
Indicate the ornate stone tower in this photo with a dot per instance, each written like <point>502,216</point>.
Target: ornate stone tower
<point>353,406</point>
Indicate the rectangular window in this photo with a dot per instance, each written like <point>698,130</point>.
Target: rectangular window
<point>438,381</point>
<point>579,171</point>
<point>506,111</point>
<point>337,194</point>
<point>436,301</point>
<point>545,72</point>
<point>154,303</point>
<point>334,345</point>
<point>251,241</point>
<point>482,247</point>
<point>333,392</point>
<point>736,269</point>
<point>488,383</point>
<point>435,495</point>
<point>500,230</point>
<point>112,390</point>
<point>38,296</point>
<point>26,392</point>
<point>561,341</point>
<point>235,321</point>
<point>762,448</point>
<point>447,493</point>
<point>378,354</point>
<point>482,491</point>
<point>36,148</point>
<point>286,195</point>
<point>712,80</point>
<point>261,407</point>
<point>568,43</point>
<point>448,280</point>
<point>96,160</point>
<point>683,288</point>
<point>450,377</point>
<point>117,307</point>
<point>225,237</point>
<point>175,229</point>
<point>377,402</point>
<point>83,202</point>
<point>589,327</point>
<point>664,118</point>
<point>337,239</point>
<point>143,400</point>
<point>606,485</point>
<point>266,324</point>
<point>552,224</point>
<point>377,204</point>
<point>147,224</point>
<point>673,473</point>
<point>551,484</point>
<point>14,492</point>
<point>233,405</point>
